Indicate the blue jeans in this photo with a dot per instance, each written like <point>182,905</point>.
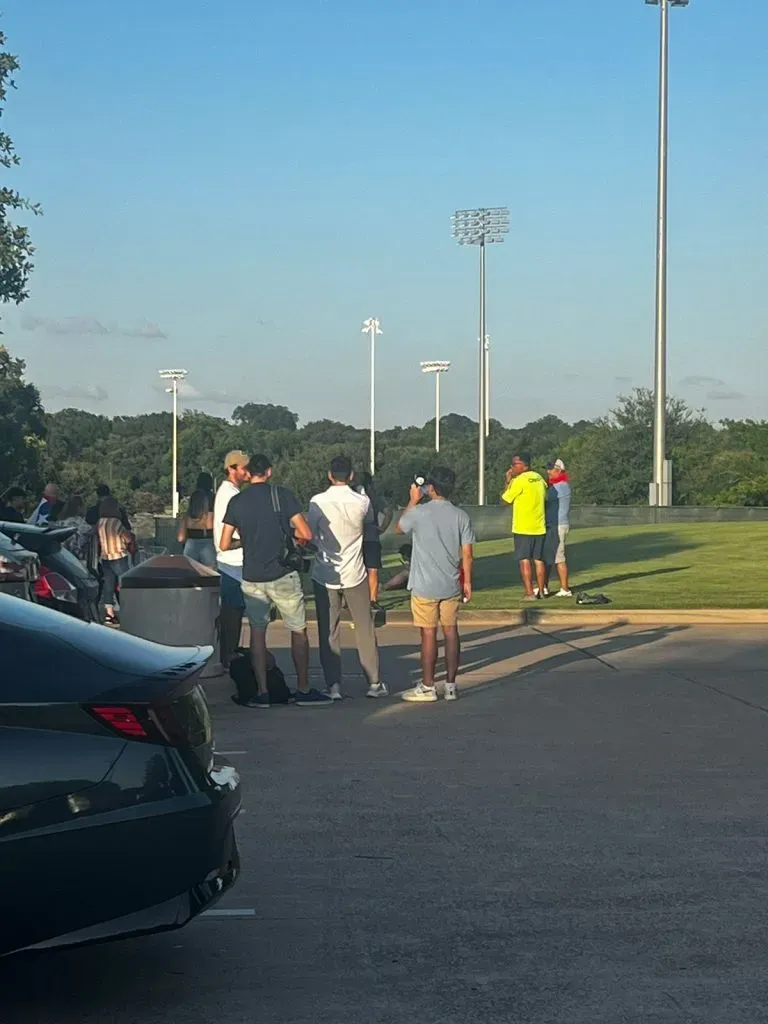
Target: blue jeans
<point>202,550</point>
<point>111,570</point>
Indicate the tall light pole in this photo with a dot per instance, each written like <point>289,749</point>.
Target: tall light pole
<point>487,385</point>
<point>174,376</point>
<point>660,490</point>
<point>372,326</point>
<point>481,227</point>
<point>436,366</point>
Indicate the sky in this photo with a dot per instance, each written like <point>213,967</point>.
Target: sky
<point>233,187</point>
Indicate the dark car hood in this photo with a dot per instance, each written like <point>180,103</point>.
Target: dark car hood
<point>47,656</point>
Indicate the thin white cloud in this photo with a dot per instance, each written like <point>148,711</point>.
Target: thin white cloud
<point>698,381</point>
<point>190,394</point>
<point>724,395</point>
<point>88,325</point>
<point>78,392</point>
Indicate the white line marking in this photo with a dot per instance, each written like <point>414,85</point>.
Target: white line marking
<point>229,753</point>
<point>243,912</point>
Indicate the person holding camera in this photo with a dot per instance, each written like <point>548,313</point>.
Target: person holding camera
<point>440,576</point>
<point>269,521</point>
<point>337,518</point>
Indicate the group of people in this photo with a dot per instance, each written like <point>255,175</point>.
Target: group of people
<point>540,524</point>
<point>262,537</point>
<point>102,537</point>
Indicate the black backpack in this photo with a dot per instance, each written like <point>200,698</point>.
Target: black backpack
<point>244,678</point>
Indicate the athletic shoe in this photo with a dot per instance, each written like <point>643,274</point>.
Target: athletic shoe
<point>313,699</point>
<point>378,690</point>
<point>451,692</point>
<point>535,591</point>
<point>260,701</point>
<point>420,694</point>
<point>564,593</point>
<point>545,592</point>
<point>530,597</point>
<point>334,692</point>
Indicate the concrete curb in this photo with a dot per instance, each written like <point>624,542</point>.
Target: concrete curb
<point>602,616</point>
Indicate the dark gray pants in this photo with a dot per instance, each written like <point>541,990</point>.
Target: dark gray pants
<point>329,604</point>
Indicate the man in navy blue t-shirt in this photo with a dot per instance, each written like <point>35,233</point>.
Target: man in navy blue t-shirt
<point>266,580</point>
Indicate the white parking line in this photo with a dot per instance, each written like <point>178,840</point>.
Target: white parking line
<point>230,753</point>
<point>219,912</point>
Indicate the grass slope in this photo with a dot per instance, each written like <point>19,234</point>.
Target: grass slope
<point>702,565</point>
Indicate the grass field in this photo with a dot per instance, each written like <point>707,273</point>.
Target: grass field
<point>703,565</point>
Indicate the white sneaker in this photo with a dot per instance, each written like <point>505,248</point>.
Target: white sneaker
<point>545,592</point>
<point>451,692</point>
<point>334,692</point>
<point>378,690</point>
<point>420,694</point>
<point>535,591</point>
<point>564,593</point>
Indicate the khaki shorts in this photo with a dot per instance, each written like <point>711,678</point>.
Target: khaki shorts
<point>429,613</point>
<point>285,594</point>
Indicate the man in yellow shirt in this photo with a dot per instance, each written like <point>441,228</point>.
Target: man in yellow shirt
<point>526,492</point>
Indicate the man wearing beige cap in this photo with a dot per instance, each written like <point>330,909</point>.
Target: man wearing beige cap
<point>230,563</point>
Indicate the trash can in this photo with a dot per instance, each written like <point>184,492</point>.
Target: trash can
<point>172,600</point>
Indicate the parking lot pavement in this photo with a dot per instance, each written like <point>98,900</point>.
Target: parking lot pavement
<point>580,839</point>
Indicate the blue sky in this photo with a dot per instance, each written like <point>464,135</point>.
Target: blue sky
<point>234,186</point>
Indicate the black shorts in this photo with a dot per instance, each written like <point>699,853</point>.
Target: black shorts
<point>551,544</point>
<point>529,546</point>
<point>372,554</point>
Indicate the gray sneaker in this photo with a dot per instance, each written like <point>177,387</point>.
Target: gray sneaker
<point>378,690</point>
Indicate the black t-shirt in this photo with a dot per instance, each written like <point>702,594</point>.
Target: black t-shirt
<point>261,532</point>
<point>9,514</point>
<point>92,516</point>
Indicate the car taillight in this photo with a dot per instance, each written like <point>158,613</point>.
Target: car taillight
<point>181,721</point>
<point>121,719</point>
<point>53,587</point>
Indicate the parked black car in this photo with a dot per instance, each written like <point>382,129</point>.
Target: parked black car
<point>19,569</point>
<point>115,819</point>
<point>65,584</point>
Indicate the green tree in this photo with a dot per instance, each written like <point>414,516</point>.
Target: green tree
<point>265,417</point>
<point>22,425</point>
<point>16,248</point>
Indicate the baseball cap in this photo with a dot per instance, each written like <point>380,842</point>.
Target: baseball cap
<point>557,464</point>
<point>236,458</point>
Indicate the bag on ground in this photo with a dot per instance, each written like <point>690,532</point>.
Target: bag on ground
<point>242,675</point>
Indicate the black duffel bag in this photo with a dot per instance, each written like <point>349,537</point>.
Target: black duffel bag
<point>242,675</point>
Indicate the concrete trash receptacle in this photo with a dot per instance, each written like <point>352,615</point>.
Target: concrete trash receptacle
<point>171,599</point>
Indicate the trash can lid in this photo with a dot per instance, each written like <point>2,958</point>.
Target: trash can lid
<point>169,572</point>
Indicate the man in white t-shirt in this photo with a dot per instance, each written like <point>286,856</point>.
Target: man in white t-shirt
<point>337,520</point>
<point>230,563</point>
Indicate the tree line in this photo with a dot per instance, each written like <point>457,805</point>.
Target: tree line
<point>608,458</point>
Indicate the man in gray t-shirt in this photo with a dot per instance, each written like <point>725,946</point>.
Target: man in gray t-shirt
<point>440,578</point>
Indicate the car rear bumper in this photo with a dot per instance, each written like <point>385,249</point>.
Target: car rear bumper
<point>160,917</point>
<point>133,869</point>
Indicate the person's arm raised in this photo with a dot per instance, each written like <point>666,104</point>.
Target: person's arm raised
<point>404,525</point>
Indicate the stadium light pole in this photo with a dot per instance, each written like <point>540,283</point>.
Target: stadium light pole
<point>487,385</point>
<point>660,491</point>
<point>436,366</point>
<point>372,326</point>
<point>481,227</point>
<point>174,376</point>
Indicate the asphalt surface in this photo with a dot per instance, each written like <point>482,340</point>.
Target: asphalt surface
<point>580,839</point>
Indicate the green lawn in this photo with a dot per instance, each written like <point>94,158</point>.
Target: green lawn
<point>706,565</point>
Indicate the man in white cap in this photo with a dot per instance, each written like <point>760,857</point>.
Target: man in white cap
<point>557,512</point>
<point>230,563</point>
